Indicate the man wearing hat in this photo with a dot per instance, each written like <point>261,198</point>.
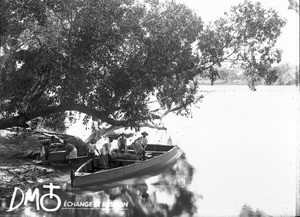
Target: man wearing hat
<point>143,138</point>
<point>45,148</point>
<point>140,144</point>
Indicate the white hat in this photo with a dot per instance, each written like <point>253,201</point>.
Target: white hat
<point>144,133</point>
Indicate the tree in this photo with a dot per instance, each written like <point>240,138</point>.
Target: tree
<point>230,75</point>
<point>245,36</point>
<point>285,74</point>
<point>109,59</point>
<point>247,211</point>
<point>294,6</point>
<point>102,58</point>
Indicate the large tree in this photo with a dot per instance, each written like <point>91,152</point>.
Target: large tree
<point>110,58</point>
<point>245,36</point>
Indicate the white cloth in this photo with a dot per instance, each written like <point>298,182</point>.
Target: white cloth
<point>92,148</point>
<point>143,141</point>
<point>72,154</point>
<point>139,144</point>
<point>106,148</point>
<point>43,152</point>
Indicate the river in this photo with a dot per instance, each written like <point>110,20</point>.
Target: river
<point>244,146</point>
<point>240,147</point>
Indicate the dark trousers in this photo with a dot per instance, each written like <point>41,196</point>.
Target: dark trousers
<point>143,154</point>
<point>104,160</point>
<point>91,155</point>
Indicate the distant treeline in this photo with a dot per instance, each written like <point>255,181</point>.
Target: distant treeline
<point>283,74</point>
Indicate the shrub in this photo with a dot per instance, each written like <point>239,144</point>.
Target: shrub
<point>82,148</point>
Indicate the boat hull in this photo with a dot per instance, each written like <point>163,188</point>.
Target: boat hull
<point>164,160</point>
<point>58,158</point>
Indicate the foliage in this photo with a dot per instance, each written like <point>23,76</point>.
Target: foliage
<point>109,59</point>
<point>285,74</point>
<point>103,58</point>
<point>55,122</point>
<point>281,74</point>
<point>294,6</point>
<point>247,211</point>
<point>79,144</point>
<point>230,75</point>
<point>245,36</point>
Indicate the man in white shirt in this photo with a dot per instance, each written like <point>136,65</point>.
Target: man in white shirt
<point>122,144</point>
<point>92,148</point>
<point>106,152</point>
<point>139,145</point>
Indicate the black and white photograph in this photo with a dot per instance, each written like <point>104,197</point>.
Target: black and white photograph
<point>149,108</point>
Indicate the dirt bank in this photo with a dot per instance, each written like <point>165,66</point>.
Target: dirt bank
<point>17,163</point>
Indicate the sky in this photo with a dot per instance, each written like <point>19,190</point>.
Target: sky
<point>289,39</point>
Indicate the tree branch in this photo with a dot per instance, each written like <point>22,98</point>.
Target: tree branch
<point>22,119</point>
<point>6,56</point>
<point>18,121</point>
<point>153,126</point>
<point>177,108</point>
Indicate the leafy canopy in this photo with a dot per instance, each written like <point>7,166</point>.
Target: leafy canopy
<point>245,36</point>
<point>110,58</point>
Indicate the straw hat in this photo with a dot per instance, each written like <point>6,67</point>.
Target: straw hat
<point>144,133</point>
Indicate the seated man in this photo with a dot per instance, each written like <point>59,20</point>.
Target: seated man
<point>122,146</point>
<point>139,145</point>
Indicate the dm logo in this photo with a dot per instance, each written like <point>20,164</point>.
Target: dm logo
<point>35,195</point>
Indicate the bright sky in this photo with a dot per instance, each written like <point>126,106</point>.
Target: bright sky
<point>288,41</point>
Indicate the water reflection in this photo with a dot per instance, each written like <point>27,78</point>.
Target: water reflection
<point>166,194</point>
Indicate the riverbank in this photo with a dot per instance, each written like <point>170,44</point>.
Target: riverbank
<point>17,163</point>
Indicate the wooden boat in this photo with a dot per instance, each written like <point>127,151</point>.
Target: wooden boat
<point>58,158</point>
<point>91,172</point>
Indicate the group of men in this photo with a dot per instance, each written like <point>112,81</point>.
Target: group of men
<point>105,152</point>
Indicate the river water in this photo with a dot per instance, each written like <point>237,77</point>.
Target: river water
<point>239,147</point>
<point>244,146</point>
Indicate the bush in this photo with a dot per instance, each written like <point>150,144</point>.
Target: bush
<point>247,211</point>
<point>82,148</point>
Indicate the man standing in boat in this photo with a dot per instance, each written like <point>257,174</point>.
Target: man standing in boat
<point>92,148</point>
<point>45,148</point>
<point>106,152</point>
<point>139,145</point>
<point>122,144</point>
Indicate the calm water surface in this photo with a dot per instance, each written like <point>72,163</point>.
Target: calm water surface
<point>240,147</point>
<point>244,147</point>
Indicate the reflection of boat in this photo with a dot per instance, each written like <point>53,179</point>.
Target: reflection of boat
<point>91,173</point>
